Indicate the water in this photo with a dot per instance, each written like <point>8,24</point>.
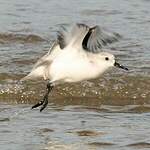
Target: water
<point>73,128</point>
<point>111,112</point>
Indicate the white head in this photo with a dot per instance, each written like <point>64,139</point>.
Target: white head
<point>107,60</point>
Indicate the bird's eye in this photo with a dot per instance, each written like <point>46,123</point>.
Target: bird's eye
<point>106,58</point>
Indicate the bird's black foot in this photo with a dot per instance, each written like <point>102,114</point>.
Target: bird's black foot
<point>38,104</point>
<point>44,102</point>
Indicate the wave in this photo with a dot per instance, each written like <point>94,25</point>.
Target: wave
<point>114,91</point>
<point>140,145</point>
<point>99,12</point>
<point>6,38</point>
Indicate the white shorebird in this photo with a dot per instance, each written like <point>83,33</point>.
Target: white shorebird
<point>75,56</point>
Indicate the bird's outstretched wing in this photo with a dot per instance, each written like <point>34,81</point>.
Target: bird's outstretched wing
<point>97,38</point>
<point>90,39</point>
<point>73,35</point>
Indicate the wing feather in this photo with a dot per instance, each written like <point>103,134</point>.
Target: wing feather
<point>98,39</point>
<point>89,39</point>
<point>72,35</point>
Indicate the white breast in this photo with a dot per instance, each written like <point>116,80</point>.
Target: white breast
<point>73,66</point>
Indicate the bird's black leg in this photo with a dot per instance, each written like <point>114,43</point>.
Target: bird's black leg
<point>44,102</point>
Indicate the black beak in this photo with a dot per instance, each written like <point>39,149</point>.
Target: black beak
<point>116,64</point>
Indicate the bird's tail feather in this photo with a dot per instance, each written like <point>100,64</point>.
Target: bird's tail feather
<point>35,74</point>
<point>40,69</point>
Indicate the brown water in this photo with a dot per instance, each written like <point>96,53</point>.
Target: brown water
<point>112,112</point>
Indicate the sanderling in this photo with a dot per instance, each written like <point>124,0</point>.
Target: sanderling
<point>75,56</point>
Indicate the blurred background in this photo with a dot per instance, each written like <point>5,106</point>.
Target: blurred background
<point>27,30</point>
